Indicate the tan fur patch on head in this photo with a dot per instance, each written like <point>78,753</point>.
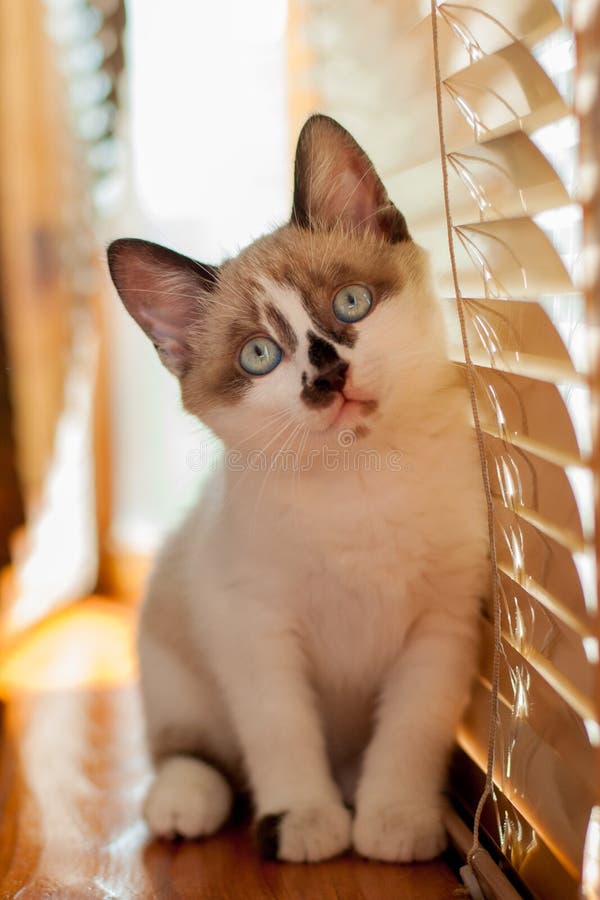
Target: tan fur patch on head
<point>231,316</point>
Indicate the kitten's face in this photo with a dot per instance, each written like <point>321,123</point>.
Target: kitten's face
<point>316,334</point>
<point>328,326</point>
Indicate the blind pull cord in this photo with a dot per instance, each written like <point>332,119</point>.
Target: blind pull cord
<point>467,872</point>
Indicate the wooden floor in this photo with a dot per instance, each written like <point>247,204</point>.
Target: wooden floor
<point>73,772</point>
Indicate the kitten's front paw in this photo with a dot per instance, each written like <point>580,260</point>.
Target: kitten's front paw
<point>306,834</point>
<point>395,833</point>
<point>187,799</point>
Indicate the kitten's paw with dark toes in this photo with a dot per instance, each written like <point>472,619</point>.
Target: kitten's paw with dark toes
<point>305,834</point>
<point>396,834</point>
<point>188,799</point>
<point>267,835</point>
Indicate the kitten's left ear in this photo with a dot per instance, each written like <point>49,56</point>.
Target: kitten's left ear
<point>335,184</point>
<point>162,290</point>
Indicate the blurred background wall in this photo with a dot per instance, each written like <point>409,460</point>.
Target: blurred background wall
<point>205,170</point>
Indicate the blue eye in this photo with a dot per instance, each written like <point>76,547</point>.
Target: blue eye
<point>352,303</point>
<point>260,355</point>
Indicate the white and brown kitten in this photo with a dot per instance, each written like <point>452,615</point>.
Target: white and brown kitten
<point>311,628</point>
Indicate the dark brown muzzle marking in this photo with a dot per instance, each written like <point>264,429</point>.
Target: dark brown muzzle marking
<point>332,379</point>
<point>321,353</point>
<point>331,373</point>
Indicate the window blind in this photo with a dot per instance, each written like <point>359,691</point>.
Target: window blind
<point>510,145</point>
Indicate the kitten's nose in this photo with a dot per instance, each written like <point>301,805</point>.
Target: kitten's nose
<point>332,378</point>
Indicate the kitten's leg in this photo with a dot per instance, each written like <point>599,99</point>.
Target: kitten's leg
<point>189,796</point>
<point>300,814</point>
<point>399,802</point>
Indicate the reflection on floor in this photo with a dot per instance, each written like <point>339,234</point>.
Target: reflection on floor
<point>73,771</point>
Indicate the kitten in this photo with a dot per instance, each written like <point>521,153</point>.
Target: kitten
<point>311,628</point>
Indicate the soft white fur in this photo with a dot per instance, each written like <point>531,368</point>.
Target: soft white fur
<point>319,627</point>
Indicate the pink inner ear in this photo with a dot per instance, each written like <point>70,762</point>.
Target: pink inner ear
<point>335,184</point>
<point>162,324</point>
<point>174,355</point>
<point>354,199</point>
<point>161,290</point>
<point>348,190</point>
<point>165,310</point>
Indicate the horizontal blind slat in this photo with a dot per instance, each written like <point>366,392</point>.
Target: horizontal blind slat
<point>494,96</point>
<point>503,258</point>
<point>533,687</point>
<point>551,795</point>
<point>531,625</point>
<point>510,335</point>
<point>531,556</point>
<point>545,451</point>
<point>526,481</point>
<point>504,177</point>
<point>517,257</point>
<point>562,536</point>
<point>517,363</point>
<point>562,608</point>
<point>489,26</point>
<point>492,20</point>
<point>520,408</point>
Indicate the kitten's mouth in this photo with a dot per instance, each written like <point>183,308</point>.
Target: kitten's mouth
<point>351,410</point>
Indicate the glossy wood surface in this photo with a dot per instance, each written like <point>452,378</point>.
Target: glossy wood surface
<point>73,772</point>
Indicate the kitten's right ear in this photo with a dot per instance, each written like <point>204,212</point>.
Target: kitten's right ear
<point>162,290</point>
<point>335,184</point>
